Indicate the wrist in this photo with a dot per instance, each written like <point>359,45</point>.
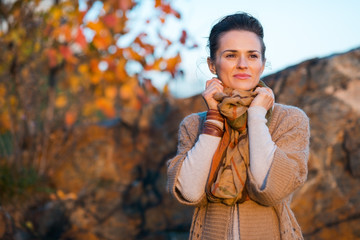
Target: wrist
<point>212,106</point>
<point>214,114</point>
<point>210,127</point>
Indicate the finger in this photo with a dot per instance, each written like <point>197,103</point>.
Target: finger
<point>259,90</point>
<point>212,81</point>
<point>264,90</point>
<point>211,90</point>
<point>218,86</point>
<point>271,92</point>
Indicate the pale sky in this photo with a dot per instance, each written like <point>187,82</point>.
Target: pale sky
<point>295,31</point>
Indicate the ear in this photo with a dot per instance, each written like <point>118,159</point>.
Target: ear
<point>211,66</point>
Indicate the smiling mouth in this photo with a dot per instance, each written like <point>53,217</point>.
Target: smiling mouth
<point>242,76</point>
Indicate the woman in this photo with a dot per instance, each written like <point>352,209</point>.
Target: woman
<point>240,162</point>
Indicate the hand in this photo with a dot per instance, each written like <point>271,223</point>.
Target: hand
<point>265,98</point>
<point>213,86</point>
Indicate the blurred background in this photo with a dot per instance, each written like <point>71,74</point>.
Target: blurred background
<point>92,93</point>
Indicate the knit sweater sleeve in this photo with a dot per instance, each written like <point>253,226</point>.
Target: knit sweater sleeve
<point>189,131</point>
<point>290,132</point>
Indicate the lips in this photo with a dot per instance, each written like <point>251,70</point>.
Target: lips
<point>242,76</point>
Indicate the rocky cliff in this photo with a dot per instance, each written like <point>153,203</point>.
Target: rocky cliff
<point>328,205</point>
<point>110,179</point>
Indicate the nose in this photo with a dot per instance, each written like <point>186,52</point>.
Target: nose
<point>242,62</point>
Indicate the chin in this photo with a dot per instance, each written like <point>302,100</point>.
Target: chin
<point>243,87</point>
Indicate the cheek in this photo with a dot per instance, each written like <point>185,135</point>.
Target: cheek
<point>223,66</point>
<point>259,69</point>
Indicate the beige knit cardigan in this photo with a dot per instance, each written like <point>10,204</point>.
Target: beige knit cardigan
<point>289,129</point>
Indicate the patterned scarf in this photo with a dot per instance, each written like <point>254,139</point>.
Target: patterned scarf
<point>227,178</point>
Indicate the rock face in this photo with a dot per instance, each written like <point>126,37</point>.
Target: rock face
<point>328,205</point>
<point>111,181</point>
<point>111,178</point>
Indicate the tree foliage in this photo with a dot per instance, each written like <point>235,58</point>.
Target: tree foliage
<point>53,75</point>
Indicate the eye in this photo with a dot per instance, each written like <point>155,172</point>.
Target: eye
<point>230,55</point>
<point>255,56</point>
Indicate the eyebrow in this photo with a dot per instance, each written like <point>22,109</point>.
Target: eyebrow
<point>235,51</point>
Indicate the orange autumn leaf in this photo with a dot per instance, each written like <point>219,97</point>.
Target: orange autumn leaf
<point>70,118</point>
<point>65,52</point>
<point>63,33</point>
<point>168,42</point>
<point>183,37</point>
<point>172,63</point>
<point>56,14</point>
<point>52,57</point>
<point>120,70</point>
<point>94,65</point>
<point>176,14</point>
<point>63,196</point>
<point>111,92</point>
<point>88,109</point>
<point>71,196</point>
<point>2,90</point>
<point>125,5</point>
<point>158,65</point>
<point>166,8</point>
<point>166,89</point>
<point>134,55</point>
<point>106,106</point>
<point>5,123</point>
<point>142,95</point>
<point>95,78</point>
<point>121,23</point>
<point>80,38</point>
<point>108,5</point>
<point>135,104</point>
<point>80,16</point>
<point>102,42</point>
<point>110,20</point>
<point>149,49</point>
<point>60,194</point>
<point>60,101</point>
<point>13,100</point>
<point>126,92</point>
<point>74,83</point>
<point>96,26</point>
<point>109,76</point>
<point>83,69</point>
<point>158,3</point>
<point>66,32</point>
<point>150,87</point>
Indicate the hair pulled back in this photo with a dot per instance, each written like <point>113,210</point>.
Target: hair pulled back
<point>237,21</point>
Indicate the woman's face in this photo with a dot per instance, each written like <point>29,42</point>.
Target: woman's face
<point>238,62</point>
